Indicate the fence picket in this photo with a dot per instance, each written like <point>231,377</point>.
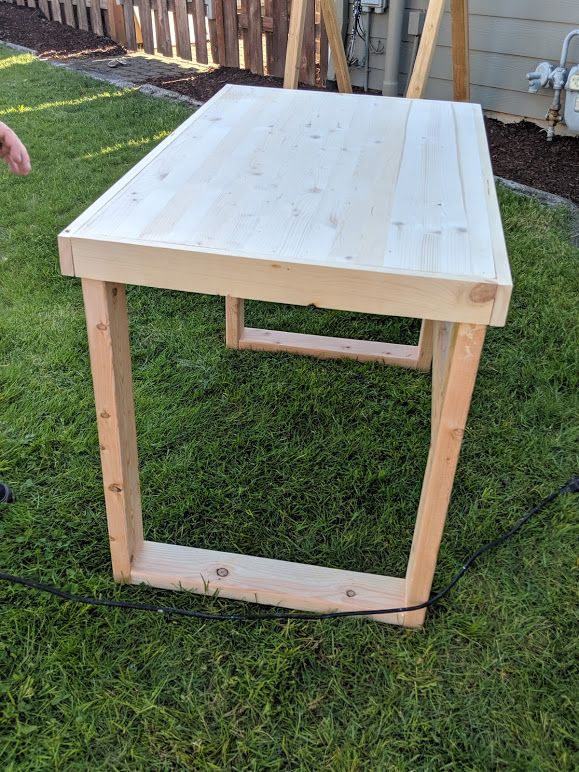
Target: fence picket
<point>280,14</point>
<point>80,12</point>
<point>198,9</point>
<point>96,17</point>
<point>255,37</point>
<point>308,63</point>
<point>220,31</point>
<point>324,51</point>
<point>146,26</point>
<point>56,14</point>
<point>231,33</point>
<point>182,39</point>
<point>129,24</point>
<point>45,9</point>
<point>163,29</point>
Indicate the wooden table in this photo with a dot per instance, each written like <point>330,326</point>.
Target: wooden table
<point>359,203</point>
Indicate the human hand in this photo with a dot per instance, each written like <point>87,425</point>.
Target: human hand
<point>13,152</point>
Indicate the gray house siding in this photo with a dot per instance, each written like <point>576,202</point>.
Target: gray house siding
<point>507,39</point>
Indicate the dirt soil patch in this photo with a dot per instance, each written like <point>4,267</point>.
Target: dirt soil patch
<point>519,151</point>
<point>28,27</point>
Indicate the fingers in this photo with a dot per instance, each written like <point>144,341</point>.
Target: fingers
<point>13,152</point>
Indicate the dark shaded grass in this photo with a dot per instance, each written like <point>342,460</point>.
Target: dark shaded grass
<point>299,459</point>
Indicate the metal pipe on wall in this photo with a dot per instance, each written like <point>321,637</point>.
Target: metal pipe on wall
<point>393,46</point>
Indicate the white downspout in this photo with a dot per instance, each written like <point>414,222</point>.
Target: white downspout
<point>393,46</point>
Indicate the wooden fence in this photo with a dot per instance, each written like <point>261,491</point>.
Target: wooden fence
<point>249,34</point>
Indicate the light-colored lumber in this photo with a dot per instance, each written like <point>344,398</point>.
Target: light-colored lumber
<point>421,70</point>
<point>108,338</point>
<point>453,389</point>
<point>429,211</point>
<point>460,50</point>
<point>328,11</point>
<point>425,345</point>
<point>325,347</point>
<point>388,293</point>
<point>294,43</point>
<point>234,321</point>
<point>262,580</point>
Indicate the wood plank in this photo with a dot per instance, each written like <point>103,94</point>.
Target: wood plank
<point>108,337</point>
<point>182,37</point>
<point>324,50</point>
<point>279,39</point>
<point>262,580</point>
<point>45,8</point>
<point>328,10</point>
<point>460,50</point>
<point>389,294</point>
<point>164,44</point>
<point>96,18</point>
<point>561,11</point>
<point>425,343</point>
<point>426,49</point>
<point>116,22</point>
<point>69,13</point>
<point>213,45</point>
<point>129,22</point>
<point>198,11</point>
<point>460,369</point>
<point>243,5</point>
<point>57,15</point>
<point>255,40</point>
<point>308,57</point>
<point>294,44</point>
<point>146,26</point>
<point>326,347</point>
<point>231,33</point>
<point>220,31</point>
<point>234,321</point>
<point>268,34</point>
<point>81,12</point>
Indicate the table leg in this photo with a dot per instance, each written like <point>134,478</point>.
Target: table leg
<point>108,337</point>
<point>234,321</point>
<point>424,361</point>
<point>456,354</point>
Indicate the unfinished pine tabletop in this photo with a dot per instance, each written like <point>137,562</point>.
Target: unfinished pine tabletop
<point>350,202</point>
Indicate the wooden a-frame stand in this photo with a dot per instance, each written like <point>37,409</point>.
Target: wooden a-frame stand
<point>453,348</point>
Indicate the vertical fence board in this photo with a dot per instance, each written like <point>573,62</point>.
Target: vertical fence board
<point>69,13</point>
<point>255,36</point>
<point>245,36</point>
<point>308,63</point>
<point>231,33</point>
<point>96,19</point>
<point>220,31</point>
<point>324,50</point>
<point>268,34</point>
<point>198,7</point>
<point>45,9</point>
<point>56,14</point>
<point>280,13</point>
<point>212,27</point>
<point>163,29</point>
<point>182,39</point>
<point>146,26</point>
<point>129,23</point>
<point>80,12</point>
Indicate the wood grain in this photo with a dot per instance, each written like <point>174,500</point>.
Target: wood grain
<point>328,11</point>
<point>231,33</point>
<point>182,39</point>
<point>460,50</point>
<point>428,40</point>
<point>147,26</point>
<point>294,44</point>
<point>262,580</point>
<point>108,338</point>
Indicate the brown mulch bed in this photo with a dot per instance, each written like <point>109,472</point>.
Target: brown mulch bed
<point>29,27</point>
<point>519,151</point>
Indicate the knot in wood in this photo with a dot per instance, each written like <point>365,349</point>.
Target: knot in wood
<point>222,572</point>
<point>350,593</point>
<point>483,293</point>
<point>101,326</point>
<point>115,488</point>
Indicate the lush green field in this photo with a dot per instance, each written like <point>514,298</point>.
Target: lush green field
<point>280,456</point>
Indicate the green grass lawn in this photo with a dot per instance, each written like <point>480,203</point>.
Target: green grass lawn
<point>287,457</point>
